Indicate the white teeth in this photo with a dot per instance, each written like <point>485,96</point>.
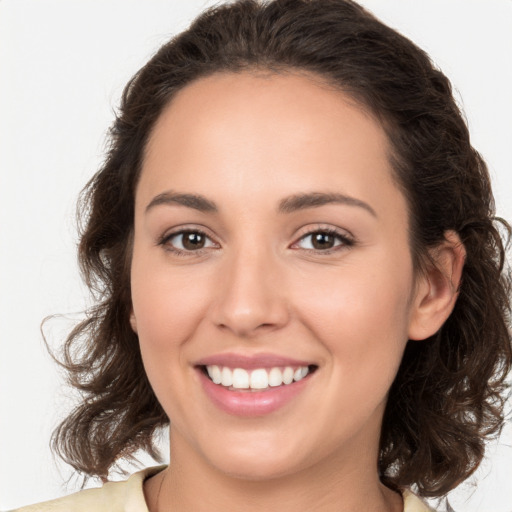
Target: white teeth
<point>288,375</point>
<point>275,377</point>
<point>214,373</point>
<point>260,378</point>
<point>227,377</point>
<point>240,378</point>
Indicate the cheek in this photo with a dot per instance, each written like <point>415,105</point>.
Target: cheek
<point>168,305</point>
<point>168,308</point>
<point>361,317</point>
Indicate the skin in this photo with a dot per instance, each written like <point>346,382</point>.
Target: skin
<point>247,142</point>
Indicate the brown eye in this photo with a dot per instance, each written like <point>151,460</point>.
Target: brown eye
<point>187,241</point>
<point>324,241</point>
<point>192,240</point>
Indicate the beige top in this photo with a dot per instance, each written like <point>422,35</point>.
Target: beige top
<point>128,496</point>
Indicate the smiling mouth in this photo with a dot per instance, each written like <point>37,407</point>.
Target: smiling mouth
<point>257,379</point>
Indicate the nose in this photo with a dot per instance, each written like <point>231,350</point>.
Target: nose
<point>252,297</point>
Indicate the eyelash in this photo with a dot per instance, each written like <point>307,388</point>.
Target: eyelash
<point>345,240</point>
<point>165,242</point>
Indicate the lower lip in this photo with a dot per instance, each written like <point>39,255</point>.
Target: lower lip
<point>251,403</point>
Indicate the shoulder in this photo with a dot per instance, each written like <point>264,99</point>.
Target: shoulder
<point>127,496</point>
<point>413,503</point>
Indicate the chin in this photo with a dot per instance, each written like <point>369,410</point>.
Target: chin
<point>257,470</point>
<point>253,461</point>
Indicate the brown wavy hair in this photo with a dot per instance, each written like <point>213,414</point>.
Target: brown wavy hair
<point>449,393</point>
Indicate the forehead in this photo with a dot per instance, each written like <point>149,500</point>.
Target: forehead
<point>263,102</point>
<point>251,131</point>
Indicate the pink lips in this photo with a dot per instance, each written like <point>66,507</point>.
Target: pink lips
<point>250,362</point>
<point>248,403</point>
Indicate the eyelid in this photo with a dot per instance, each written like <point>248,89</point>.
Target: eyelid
<point>179,230</point>
<point>346,238</point>
<point>184,228</point>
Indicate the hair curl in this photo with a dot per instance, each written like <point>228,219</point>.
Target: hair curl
<point>449,393</point>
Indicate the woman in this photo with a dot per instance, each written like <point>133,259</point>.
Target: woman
<point>293,247</point>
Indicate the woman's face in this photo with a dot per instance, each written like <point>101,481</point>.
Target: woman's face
<point>270,241</point>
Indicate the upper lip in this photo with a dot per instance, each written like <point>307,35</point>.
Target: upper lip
<point>266,360</point>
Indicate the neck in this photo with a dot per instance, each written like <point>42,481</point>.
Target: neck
<point>340,483</point>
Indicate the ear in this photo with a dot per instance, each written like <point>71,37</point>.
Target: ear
<point>437,288</point>
<point>133,321</point>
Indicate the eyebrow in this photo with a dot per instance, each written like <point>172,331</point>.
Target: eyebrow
<point>316,199</point>
<point>287,205</point>
<point>197,202</point>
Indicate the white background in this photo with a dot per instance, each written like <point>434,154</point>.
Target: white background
<point>63,64</point>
